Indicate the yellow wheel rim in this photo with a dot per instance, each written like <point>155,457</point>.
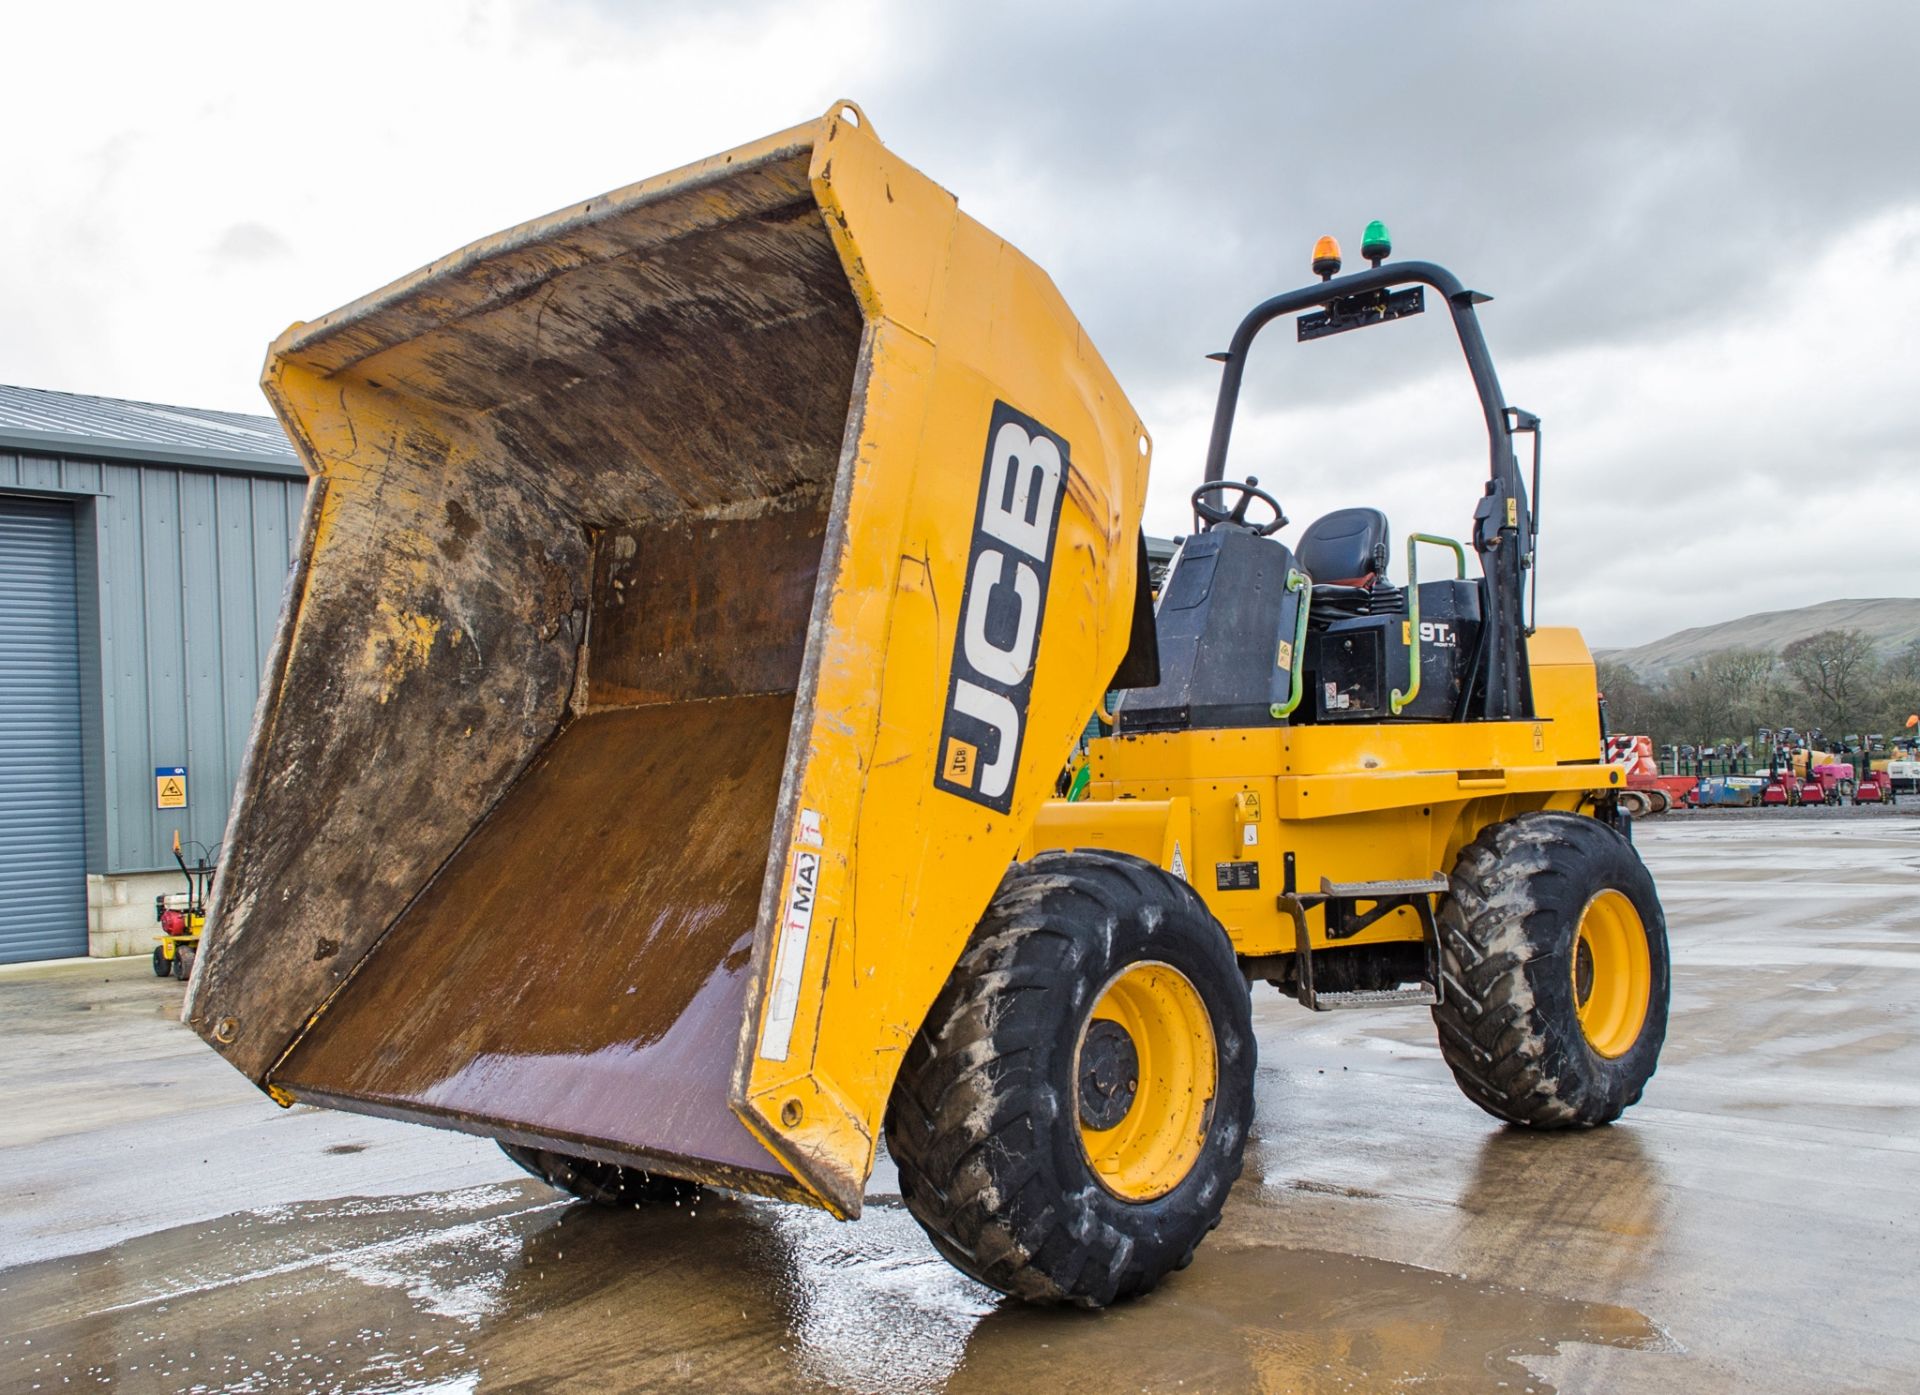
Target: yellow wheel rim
<point>1145,1073</point>
<point>1612,974</point>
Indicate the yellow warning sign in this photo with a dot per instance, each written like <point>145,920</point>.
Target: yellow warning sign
<point>170,787</point>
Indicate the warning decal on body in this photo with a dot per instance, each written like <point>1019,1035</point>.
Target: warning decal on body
<point>790,956</point>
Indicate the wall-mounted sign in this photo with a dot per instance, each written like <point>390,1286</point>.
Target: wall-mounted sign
<point>170,787</point>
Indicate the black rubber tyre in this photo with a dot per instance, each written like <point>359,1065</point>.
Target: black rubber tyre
<point>1508,1016</point>
<point>985,1119</point>
<point>162,966</point>
<point>603,1183</point>
<point>183,963</point>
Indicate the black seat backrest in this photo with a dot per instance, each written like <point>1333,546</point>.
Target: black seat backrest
<point>1347,547</point>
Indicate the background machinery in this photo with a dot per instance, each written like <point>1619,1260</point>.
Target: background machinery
<point>182,915</point>
<point>722,569</point>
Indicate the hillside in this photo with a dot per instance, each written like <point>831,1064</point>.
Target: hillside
<point>1891,622</point>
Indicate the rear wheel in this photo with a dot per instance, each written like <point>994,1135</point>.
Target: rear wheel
<point>602,1183</point>
<point>1554,952</point>
<point>162,965</point>
<point>1073,1112</point>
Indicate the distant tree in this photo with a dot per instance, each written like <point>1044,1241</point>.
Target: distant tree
<point>1899,691</point>
<point>1702,709</point>
<point>1630,698</point>
<point>1836,674</point>
<point>1749,679</point>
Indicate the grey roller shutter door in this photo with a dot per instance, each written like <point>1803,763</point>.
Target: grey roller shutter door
<point>43,879</point>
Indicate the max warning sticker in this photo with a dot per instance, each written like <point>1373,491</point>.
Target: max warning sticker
<point>790,955</point>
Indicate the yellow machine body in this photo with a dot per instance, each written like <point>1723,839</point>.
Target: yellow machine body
<point>1244,815</point>
<point>621,784</point>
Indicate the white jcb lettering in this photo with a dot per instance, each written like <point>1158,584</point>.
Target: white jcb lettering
<point>999,713</point>
<point>1007,665</point>
<point>1002,609</point>
<point>1023,479</point>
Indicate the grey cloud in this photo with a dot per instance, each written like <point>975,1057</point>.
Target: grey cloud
<point>1627,167</point>
<point>249,242</point>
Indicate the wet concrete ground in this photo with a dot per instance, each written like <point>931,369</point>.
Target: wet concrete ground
<point>1754,1225</point>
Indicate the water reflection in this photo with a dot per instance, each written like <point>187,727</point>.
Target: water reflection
<point>502,1288</point>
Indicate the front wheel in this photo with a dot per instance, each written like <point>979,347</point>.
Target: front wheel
<point>162,965</point>
<point>602,1183</point>
<point>1554,954</point>
<point>1071,1116</point>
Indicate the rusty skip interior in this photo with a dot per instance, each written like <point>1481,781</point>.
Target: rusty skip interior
<point>500,850</point>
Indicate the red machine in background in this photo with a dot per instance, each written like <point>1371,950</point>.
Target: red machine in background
<point>1874,787</point>
<point>1834,781</point>
<point>1648,791</point>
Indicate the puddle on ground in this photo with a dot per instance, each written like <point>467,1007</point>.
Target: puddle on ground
<point>503,1287</point>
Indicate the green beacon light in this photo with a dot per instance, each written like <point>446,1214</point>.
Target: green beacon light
<point>1375,245</point>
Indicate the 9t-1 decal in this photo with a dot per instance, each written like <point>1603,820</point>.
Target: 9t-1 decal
<point>1022,483</point>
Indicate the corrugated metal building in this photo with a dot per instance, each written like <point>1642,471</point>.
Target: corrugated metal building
<point>143,553</point>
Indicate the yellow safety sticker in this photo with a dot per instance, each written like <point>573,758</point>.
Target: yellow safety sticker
<point>170,787</point>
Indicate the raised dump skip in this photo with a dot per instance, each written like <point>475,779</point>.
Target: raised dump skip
<point>622,521</point>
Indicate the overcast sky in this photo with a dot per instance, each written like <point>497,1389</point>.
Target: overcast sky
<point>1700,223</point>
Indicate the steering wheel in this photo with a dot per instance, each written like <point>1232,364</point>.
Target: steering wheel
<point>1214,515</point>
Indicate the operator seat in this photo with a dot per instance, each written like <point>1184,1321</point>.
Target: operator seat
<point>1347,547</point>
<point>1345,553</point>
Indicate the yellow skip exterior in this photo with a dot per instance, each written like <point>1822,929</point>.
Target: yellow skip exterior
<point>904,868</point>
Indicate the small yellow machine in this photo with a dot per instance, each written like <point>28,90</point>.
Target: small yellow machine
<point>720,570</point>
<point>182,915</point>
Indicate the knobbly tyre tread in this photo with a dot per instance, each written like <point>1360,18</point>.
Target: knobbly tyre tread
<point>1508,1024</point>
<point>983,1121</point>
<point>602,1183</point>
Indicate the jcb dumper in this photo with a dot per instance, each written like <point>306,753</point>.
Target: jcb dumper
<point>700,589</point>
<point>701,592</point>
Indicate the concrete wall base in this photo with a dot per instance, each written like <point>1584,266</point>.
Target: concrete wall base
<point>120,911</point>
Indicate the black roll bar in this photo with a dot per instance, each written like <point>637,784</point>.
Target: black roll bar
<point>1503,527</point>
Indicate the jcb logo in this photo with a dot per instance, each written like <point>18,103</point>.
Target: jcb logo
<point>1005,599</point>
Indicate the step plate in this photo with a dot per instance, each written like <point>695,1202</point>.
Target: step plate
<point>1371,891</point>
<point>1423,996</point>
